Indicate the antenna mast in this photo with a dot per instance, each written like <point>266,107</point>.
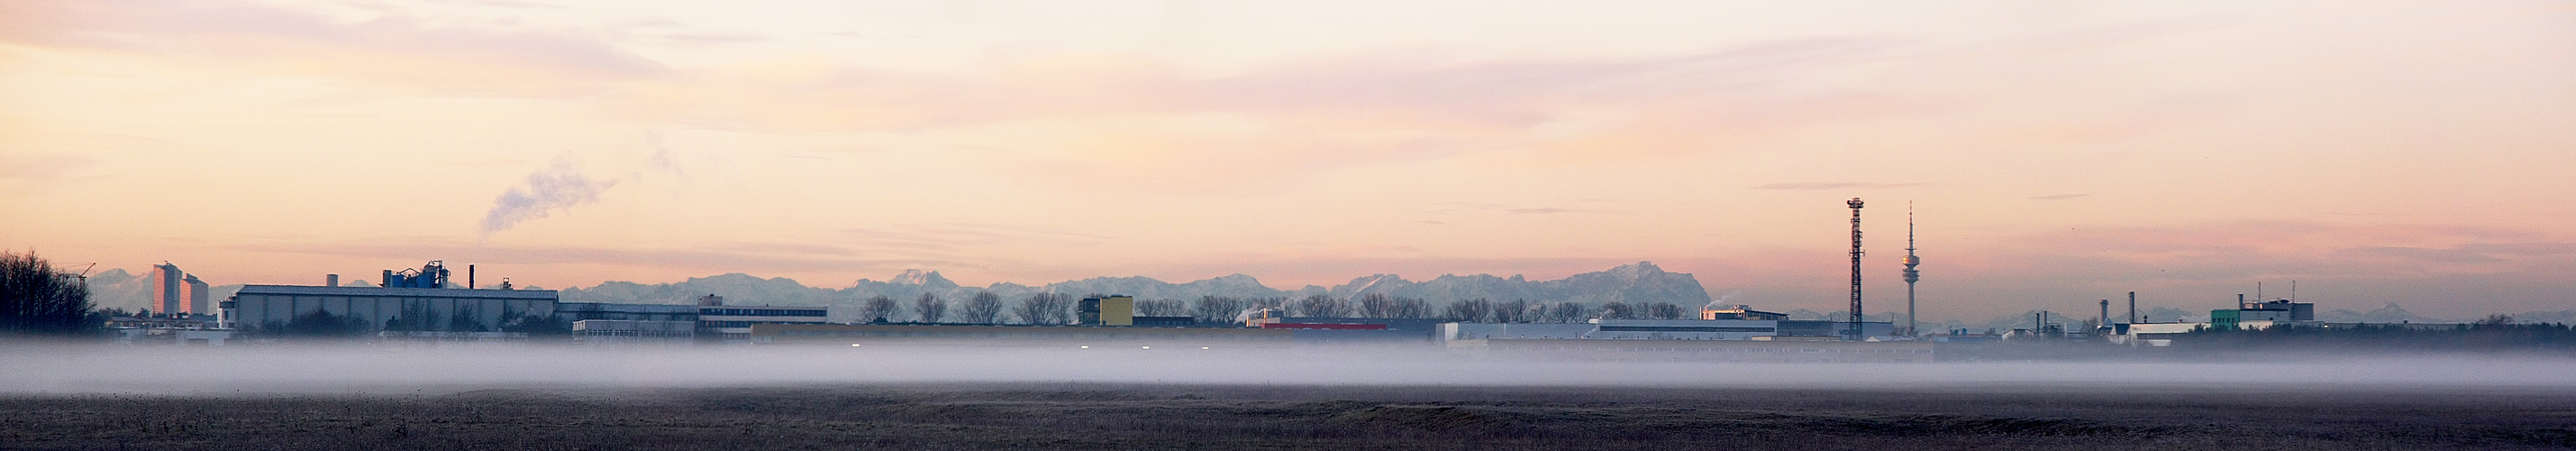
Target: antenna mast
<point>1910,274</point>
<point>1855,334</point>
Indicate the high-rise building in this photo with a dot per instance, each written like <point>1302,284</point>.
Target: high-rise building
<point>167,288</point>
<point>195,292</point>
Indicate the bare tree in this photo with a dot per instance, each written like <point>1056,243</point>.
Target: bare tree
<point>1410,308</point>
<point>1471,310</point>
<point>1216,309</point>
<point>878,309</point>
<point>1617,310</point>
<point>1567,312</point>
<point>1513,311</point>
<point>1663,310</point>
<point>1161,307</point>
<point>982,308</point>
<point>1322,306</point>
<point>930,307</point>
<point>36,299</point>
<point>1042,308</point>
<point>1376,305</point>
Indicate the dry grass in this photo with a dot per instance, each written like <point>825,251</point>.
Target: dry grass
<point>1097,416</point>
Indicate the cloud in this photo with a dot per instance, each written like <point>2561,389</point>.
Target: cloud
<point>546,191</point>
<point>1819,186</point>
<point>2059,196</point>
<point>500,57</point>
<point>1550,210</point>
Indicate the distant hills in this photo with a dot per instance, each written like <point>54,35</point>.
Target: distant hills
<point>1634,283</point>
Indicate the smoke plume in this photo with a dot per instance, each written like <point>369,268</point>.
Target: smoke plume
<point>556,188</point>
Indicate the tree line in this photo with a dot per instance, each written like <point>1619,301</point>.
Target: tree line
<point>38,300</point>
<point>1057,309</point>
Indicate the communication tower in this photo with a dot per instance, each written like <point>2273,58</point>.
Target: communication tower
<point>1854,333</point>
<point>1910,274</point>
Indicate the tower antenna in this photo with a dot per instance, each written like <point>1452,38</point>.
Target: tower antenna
<point>1855,333</point>
<point>1910,274</point>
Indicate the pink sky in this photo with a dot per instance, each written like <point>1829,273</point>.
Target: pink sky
<point>2055,153</point>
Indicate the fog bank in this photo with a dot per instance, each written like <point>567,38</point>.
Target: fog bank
<point>390,369</point>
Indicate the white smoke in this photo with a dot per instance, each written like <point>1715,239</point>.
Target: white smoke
<point>1726,301</point>
<point>555,188</point>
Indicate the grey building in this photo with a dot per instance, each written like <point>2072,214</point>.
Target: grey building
<point>273,308</point>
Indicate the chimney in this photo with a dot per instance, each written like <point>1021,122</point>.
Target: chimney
<point>332,280</point>
<point>2106,314</point>
<point>469,276</point>
<point>2133,307</point>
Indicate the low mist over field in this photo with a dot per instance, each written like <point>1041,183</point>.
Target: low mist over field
<point>394,369</point>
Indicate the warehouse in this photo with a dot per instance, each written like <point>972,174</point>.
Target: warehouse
<point>272,308</point>
<point>1018,336</point>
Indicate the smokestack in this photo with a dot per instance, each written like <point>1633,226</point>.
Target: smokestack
<point>331,280</point>
<point>2106,314</point>
<point>469,276</point>
<point>2133,307</point>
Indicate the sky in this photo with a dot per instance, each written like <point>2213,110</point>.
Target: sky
<point>2052,153</point>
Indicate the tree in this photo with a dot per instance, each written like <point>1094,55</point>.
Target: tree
<point>1321,306</point>
<point>1513,311</point>
<point>1216,309</point>
<point>1617,310</point>
<point>35,299</point>
<point>1567,312</point>
<point>1411,308</point>
<point>879,309</point>
<point>930,307</point>
<point>982,308</point>
<point>1161,307</point>
<point>1472,310</point>
<point>1377,305</point>
<point>1042,308</point>
<point>1663,310</point>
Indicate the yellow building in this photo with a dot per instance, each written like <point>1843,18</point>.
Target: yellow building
<point>1111,310</point>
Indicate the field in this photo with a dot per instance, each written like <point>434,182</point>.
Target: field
<point>1252,416</point>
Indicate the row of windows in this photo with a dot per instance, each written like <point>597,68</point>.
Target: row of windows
<point>1016,335</point>
<point>1682,329</point>
<point>744,323</point>
<point>721,311</point>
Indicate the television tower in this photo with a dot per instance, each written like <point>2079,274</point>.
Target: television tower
<point>1910,274</point>
<point>1855,334</point>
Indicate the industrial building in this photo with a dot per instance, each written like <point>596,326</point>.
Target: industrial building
<point>1075,337</point>
<point>273,307</point>
<point>1352,330</point>
<point>733,323</point>
<point>1120,310</point>
<point>2262,314</point>
<point>1654,329</point>
<point>1833,351</point>
<point>602,323</point>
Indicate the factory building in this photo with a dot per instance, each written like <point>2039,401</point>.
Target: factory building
<point>2263,314</point>
<point>272,308</point>
<point>1075,337</point>
<point>603,323</point>
<point>733,323</point>
<point>1353,330</point>
<point>1740,311</point>
<point>1651,329</point>
<point>1700,350</point>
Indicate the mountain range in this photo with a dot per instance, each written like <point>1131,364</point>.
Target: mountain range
<point>1640,282</point>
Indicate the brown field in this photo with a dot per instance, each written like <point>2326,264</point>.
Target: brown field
<point>1163,416</point>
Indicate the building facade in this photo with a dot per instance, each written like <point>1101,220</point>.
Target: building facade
<point>280,308</point>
